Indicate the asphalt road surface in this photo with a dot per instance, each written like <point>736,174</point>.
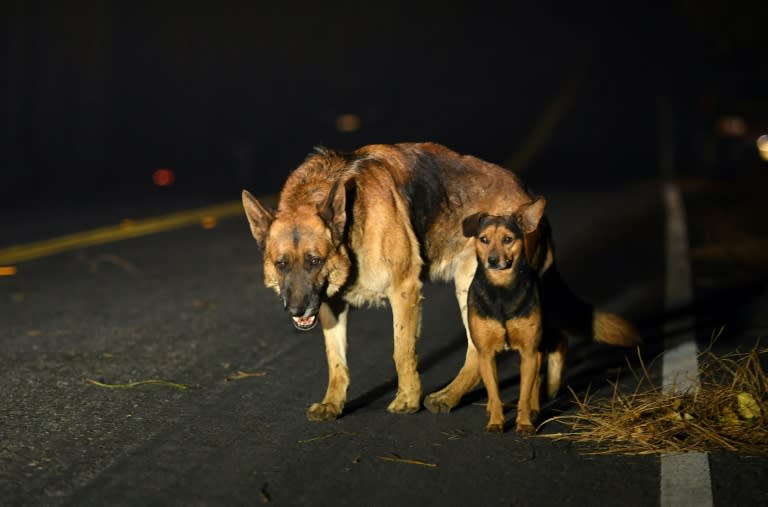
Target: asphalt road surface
<point>188,306</point>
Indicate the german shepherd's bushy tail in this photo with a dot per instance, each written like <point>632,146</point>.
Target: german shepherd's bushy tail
<point>568,312</point>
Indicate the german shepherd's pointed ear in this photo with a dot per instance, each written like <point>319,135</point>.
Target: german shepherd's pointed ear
<point>471,224</point>
<point>334,211</point>
<point>530,214</point>
<point>259,218</point>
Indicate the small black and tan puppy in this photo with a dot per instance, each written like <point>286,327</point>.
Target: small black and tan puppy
<point>504,307</point>
<point>518,300</point>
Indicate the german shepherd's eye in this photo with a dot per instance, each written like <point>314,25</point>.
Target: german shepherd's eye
<point>314,260</point>
<point>281,264</point>
<point>507,240</point>
<point>484,240</point>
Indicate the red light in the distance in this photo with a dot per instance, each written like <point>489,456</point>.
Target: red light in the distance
<point>163,177</point>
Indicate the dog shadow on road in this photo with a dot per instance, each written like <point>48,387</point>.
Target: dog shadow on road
<point>426,362</point>
<point>592,366</point>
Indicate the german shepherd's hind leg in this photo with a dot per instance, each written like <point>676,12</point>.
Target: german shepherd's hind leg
<point>334,322</point>
<point>405,300</point>
<point>536,389</point>
<point>555,364</point>
<point>442,401</point>
<point>447,398</point>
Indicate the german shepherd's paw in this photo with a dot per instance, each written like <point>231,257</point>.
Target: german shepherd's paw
<point>323,412</point>
<point>437,403</point>
<point>403,405</point>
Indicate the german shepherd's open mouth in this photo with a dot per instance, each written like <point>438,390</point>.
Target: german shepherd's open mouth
<point>305,323</point>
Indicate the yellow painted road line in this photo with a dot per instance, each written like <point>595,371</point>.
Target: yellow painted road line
<point>128,229</point>
<point>7,270</point>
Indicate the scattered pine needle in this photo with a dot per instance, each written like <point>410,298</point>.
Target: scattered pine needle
<point>408,461</point>
<point>319,437</point>
<point>323,437</point>
<point>729,411</point>
<point>240,375</point>
<point>139,383</point>
<point>454,434</point>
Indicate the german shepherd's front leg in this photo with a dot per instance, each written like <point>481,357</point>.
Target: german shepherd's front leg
<point>333,318</point>
<point>405,300</point>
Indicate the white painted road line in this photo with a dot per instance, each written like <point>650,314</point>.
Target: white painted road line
<point>685,477</point>
<point>685,480</point>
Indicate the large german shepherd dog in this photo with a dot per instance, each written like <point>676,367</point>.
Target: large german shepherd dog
<point>367,227</point>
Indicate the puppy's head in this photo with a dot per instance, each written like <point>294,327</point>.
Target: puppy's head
<point>305,259</point>
<point>500,240</point>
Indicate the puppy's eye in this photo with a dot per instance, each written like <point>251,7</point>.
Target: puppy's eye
<point>507,240</point>
<point>484,240</point>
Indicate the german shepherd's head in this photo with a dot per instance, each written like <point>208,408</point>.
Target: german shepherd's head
<point>500,241</point>
<point>304,256</point>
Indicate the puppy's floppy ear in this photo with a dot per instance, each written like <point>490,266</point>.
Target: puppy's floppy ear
<point>530,214</point>
<point>471,224</point>
<point>334,210</point>
<point>259,218</point>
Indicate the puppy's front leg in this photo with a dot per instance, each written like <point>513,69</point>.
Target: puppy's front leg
<point>333,318</point>
<point>488,335</point>
<point>495,407</point>
<point>530,361</point>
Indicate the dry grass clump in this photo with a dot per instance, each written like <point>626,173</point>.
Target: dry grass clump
<point>728,411</point>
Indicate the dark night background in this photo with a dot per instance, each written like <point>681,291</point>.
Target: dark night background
<point>234,94</point>
<point>598,107</point>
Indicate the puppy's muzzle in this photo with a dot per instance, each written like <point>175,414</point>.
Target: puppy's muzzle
<point>494,262</point>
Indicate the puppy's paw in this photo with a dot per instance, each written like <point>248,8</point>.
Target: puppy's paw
<point>494,428</point>
<point>403,404</point>
<point>437,403</point>
<point>323,412</point>
<point>525,429</point>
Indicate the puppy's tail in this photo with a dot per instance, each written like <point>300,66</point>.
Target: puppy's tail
<point>570,313</point>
